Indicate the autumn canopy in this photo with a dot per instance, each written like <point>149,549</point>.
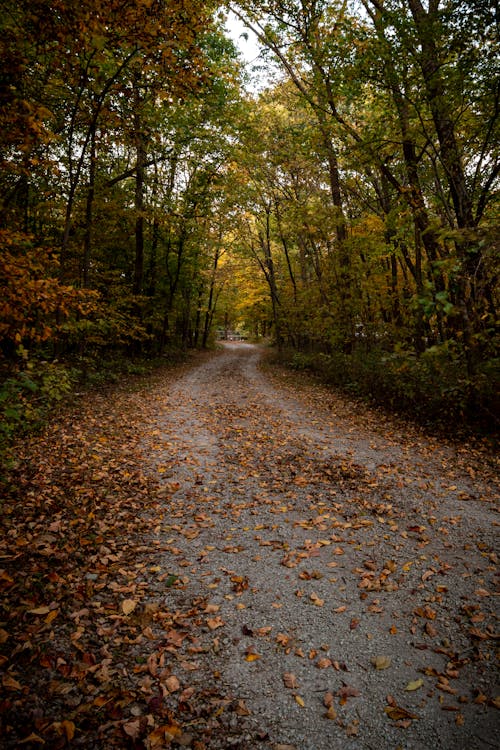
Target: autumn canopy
<point>338,200</point>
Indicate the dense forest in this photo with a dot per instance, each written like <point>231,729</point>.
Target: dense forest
<point>345,210</point>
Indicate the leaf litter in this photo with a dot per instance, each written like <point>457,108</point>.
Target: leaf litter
<point>229,557</point>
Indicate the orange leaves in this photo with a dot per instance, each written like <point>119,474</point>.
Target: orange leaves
<point>128,606</point>
<point>400,715</point>
<point>31,294</point>
<point>10,682</point>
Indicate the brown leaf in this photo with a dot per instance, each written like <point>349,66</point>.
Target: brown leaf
<point>32,738</point>
<point>316,600</point>
<point>10,683</point>
<point>133,729</point>
<point>396,713</point>
<point>128,606</point>
<point>346,692</point>
<point>290,680</point>
<point>241,709</point>
<point>172,684</point>
<point>328,699</point>
<point>215,622</point>
<point>430,630</point>
<point>324,663</point>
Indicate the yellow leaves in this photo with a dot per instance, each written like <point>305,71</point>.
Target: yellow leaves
<point>381,662</point>
<point>51,616</point>
<point>299,700</point>
<point>414,685</point>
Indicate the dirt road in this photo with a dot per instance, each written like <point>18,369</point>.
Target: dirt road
<point>337,570</point>
<point>229,556</point>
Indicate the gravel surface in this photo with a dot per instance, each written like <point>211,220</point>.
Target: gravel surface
<point>344,564</point>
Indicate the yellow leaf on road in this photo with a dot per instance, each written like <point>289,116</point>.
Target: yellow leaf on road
<point>381,662</point>
<point>252,657</point>
<point>414,685</point>
<point>51,616</point>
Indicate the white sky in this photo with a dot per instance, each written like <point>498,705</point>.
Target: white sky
<point>260,71</point>
<point>249,48</point>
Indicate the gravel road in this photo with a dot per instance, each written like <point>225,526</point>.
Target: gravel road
<point>343,565</point>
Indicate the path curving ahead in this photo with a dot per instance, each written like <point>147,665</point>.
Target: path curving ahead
<point>336,569</point>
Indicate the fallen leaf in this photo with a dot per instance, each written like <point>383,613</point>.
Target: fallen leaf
<point>316,600</point>
<point>10,683</point>
<point>352,730</point>
<point>290,680</point>
<point>215,622</point>
<point>324,663</point>
<point>381,662</point>
<point>32,738</point>
<point>172,684</point>
<point>346,692</point>
<point>396,713</point>
<point>328,699</point>
<point>133,729</point>
<point>241,709</point>
<point>39,611</point>
<point>51,616</point>
<point>128,606</point>
<point>414,685</point>
<point>252,657</point>
<point>299,700</point>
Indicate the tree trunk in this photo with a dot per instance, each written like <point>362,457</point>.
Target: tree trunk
<point>140,170</point>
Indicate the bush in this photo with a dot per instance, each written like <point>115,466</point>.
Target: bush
<point>434,388</point>
<point>28,396</point>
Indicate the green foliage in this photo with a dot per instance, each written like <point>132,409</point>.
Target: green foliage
<point>29,396</point>
<point>433,389</point>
